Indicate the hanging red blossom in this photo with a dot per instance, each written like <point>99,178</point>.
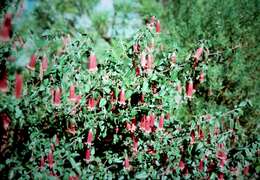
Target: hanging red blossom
<point>42,162</point>
<point>6,28</point>
<point>32,63</point>
<point>201,134</point>
<point>161,122</point>
<point>5,120</point>
<point>50,159</point>
<point>189,89</point>
<point>126,163</point>
<point>221,176</point>
<point>192,136</point>
<point>246,170</point>
<point>201,78</point>
<point>73,178</point>
<point>90,137</point>
<point>135,144</point>
<point>143,60</point>
<point>158,26</point>
<point>72,96</point>
<point>149,62</point>
<point>3,81</point>
<point>122,97</point>
<point>137,71</point>
<point>92,66</point>
<point>181,165</point>
<point>44,64</point>
<point>112,97</point>
<point>18,85</point>
<point>87,154</point>
<point>91,104</point>
<point>201,165</point>
<point>57,97</point>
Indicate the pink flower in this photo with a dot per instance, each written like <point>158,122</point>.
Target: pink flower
<point>57,97</point>
<point>142,123</point>
<point>246,170</point>
<point>122,97</point>
<point>32,62</point>
<point>192,135</point>
<point>136,48</point>
<point>91,103</point>
<point>72,96</point>
<point>149,61</point>
<point>90,137</point>
<point>92,66</point>
<point>189,89</point>
<point>135,144</point>
<point>6,28</point>
<point>178,88</point>
<point>5,120</point>
<point>50,159</point>
<point>137,71</point>
<point>44,64</point>
<point>201,134</point>
<point>143,60</point>
<point>201,78</point>
<point>18,85</point>
<point>4,81</point>
<point>201,165</point>
<point>152,120</point>
<point>161,122</point>
<point>158,26</point>
<point>198,53</point>
<point>221,176</point>
<point>147,124</point>
<point>73,177</point>
<point>42,161</point>
<point>221,155</point>
<point>112,97</point>
<point>173,58</point>
<point>126,163</point>
<point>87,154</point>
<point>181,165</point>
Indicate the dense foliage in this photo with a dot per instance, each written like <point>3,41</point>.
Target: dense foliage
<point>85,96</point>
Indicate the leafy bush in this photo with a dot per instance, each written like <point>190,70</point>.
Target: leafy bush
<point>169,102</point>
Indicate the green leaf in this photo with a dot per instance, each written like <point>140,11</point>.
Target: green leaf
<point>141,175</point>
<point>102,102</point>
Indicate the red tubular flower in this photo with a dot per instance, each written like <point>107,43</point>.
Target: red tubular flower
<point>189,89</point>
<point>135,144</point>
<point>201,134</point>
<point>143,60</point>
<point>161,122</point>
<point>198,53</point>
<point>73,96</point>
<point>221,176</point>
<point>87,154</point>
<point>18,85</point>
<point>201,77</point>
<point>5,120</point>
<point>73,178</point>
<point>42,163</point>
<point>50,159</point>
<point>142,123</point>
<point>112,97</point>
<point>152,120</point>
<point>57,97</point>
<point>178,88</point>
<point>246,170</point>
<point>137,71</point>
<point>201,165</point>
<point>173,58</point>
<point>91,103</point>
<point>44,64</point>
<point>158,26</point>
<point>90,137</point>
<point>32,62</point>
<point>136,48</point>
<point>6,28</point>
<point>221,155</point>
<point>149,61</point>
<point>122,97</point>
<point>181,165</point>
<point>4,81</point>
<point>147,125</point>
<point>126,163</point>
<point>192,135</point>
<point>92,66</point>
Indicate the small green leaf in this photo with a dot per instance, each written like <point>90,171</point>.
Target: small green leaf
<point>102,102</point>
<point>141,175</point>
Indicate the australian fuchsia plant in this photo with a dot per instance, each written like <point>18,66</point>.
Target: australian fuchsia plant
<point>141,110</point>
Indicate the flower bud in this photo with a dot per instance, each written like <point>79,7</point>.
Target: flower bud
<point>90,137</point>
<point>91,104</point>
<point>161,122</point>
<point>122,97</point>
<point>3,81</point>
<point>32,62</point>
<point>50,159</point>
<point>189,89</point>
<point>87,154</point>
<point>18,85</point>
<point>57,97</point>
<point>92,66</point>
<point>44,64</point>
<point>158,26</point>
